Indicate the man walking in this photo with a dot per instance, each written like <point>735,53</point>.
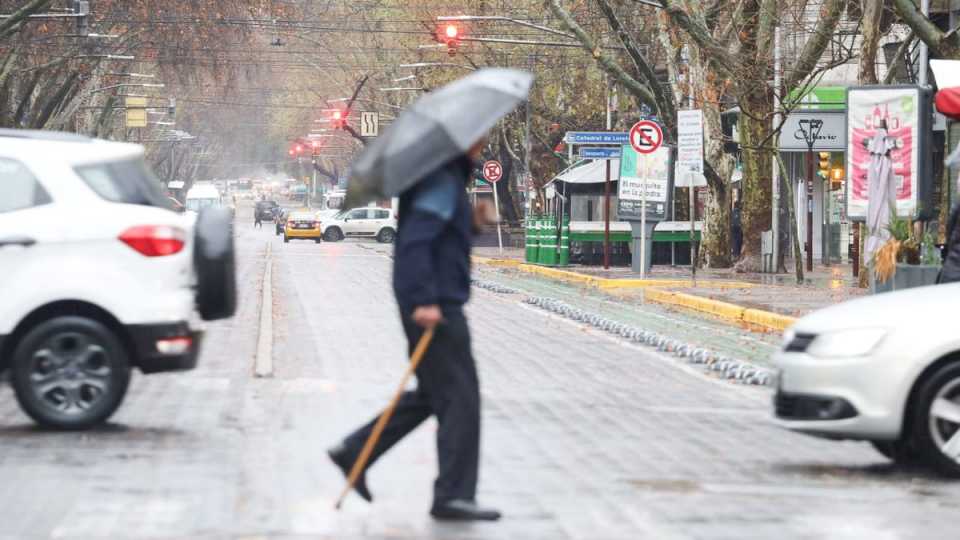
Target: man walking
<point>431,280</point>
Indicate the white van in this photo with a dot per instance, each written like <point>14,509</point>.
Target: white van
<point>203,196</point>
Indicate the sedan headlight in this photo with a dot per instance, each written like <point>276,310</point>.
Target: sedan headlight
<point>846,343</point>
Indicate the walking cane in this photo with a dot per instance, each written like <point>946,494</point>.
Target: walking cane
<point>361,461</point>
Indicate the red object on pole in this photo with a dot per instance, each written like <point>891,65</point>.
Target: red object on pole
<point>948,102</point>
<point>606,219</point>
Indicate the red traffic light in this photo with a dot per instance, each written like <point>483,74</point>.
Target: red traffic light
<point>292,152</point>
<point>298,148</point>
<point>315,144</point>
<point>451,31</point>
<point>337,115</point>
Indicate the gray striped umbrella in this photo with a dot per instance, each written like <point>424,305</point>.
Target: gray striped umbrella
<point>437,128</point>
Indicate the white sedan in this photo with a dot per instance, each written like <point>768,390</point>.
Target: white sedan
<point>884,369</point>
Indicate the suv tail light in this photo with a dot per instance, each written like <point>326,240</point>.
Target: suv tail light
<point>154,240</point>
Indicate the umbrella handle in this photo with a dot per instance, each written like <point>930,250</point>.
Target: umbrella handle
<point>361,462</point>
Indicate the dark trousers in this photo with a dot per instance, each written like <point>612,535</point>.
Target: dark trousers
<point>447,387</point>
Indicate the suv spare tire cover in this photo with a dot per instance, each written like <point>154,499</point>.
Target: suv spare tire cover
<point>213,258</point>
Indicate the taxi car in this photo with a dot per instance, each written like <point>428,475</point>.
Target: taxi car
<point>302,225</point>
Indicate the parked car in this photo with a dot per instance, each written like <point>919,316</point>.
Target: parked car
<point>302,225</point>
<point>100,275</point>
<point>379,223</point>
<point>884,369</point>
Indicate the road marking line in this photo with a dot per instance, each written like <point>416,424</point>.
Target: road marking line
<point>263,366</point>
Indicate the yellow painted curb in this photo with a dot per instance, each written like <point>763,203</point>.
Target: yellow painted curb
<point>768,319</point>
<point>614,283</point>
<point>653,291</point>
<point>495,262</point>
<point>723,310</point>
<point>563,275</point>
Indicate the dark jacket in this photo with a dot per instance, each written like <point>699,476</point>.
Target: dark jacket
<point>432,256</point>
<point>951,261</point>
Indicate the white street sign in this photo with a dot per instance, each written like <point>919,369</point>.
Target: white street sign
<point>690,141</point>
<point>369,124</point>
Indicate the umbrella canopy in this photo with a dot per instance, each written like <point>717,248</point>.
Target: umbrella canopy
<point>437,128</point>
<point>881,192</point>
<point>588,172</point>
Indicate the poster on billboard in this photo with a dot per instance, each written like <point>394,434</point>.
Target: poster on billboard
<point>639,172</point>
<point>906,113</point>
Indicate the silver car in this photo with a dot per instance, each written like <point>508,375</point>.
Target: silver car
<point>884,369</point>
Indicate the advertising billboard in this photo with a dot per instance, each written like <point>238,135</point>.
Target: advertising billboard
<point>639,172</point>
<point>906,113</point>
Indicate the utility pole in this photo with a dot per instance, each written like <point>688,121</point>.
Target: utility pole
<point>777,121</point>
<point>606,192</point>
<point>924,59</point>
<point>527,179</point>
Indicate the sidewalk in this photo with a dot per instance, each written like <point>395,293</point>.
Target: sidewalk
<point>764,300</point>
<point>776,293</point>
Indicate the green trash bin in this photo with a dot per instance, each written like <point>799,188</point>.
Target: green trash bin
<point>565,243</point>
<point>548,242</point>
<point>533,238</point>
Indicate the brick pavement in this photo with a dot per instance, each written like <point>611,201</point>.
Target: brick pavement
<point>585,437</point>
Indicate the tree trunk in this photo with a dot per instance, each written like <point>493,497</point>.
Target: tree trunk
<point>508,209</point>
<point>792,217</point>
<point>872,13</point>
<point>757,170</point>
<point>716,232</point>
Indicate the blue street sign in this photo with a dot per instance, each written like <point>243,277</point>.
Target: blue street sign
<point>599,152</point>
<point>597,137</point>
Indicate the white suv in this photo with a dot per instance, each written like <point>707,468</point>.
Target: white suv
<point>379,223</point>
<point>98,274</point>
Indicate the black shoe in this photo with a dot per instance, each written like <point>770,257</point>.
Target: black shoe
<point>463,510</point>
<point>340,458</point>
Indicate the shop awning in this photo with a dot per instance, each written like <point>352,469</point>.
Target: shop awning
<point>589,171</point>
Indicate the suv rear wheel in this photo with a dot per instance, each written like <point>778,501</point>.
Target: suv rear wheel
<point>333,234</point>
<point>70,373</point>
<point>386,236</point>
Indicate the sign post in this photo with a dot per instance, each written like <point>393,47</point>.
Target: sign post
<point>690,159</point>
<point>493,172</point>
<point>574,138</point>
<point>645,138</point>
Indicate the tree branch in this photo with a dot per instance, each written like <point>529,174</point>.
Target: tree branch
<point>944,44</point>
<point>666,103</point>
<point>813,49</point>
<point>641,92</point>
<point>12,23</point>
<point>701,35</point>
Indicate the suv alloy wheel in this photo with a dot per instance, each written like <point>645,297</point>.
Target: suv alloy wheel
<point>70,372</point>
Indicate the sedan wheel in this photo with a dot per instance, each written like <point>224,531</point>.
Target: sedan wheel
<point>936,419</point>
<point>70,373</point>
